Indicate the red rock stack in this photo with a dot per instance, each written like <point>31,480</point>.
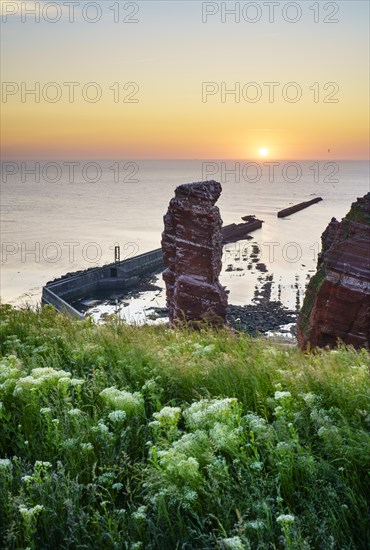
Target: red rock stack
<point>192,251</point>
<point>337,302</point>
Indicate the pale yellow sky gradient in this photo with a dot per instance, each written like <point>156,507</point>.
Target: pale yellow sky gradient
<point>169,53</point>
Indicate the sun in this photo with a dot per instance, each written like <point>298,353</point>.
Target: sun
<point>263,152</point>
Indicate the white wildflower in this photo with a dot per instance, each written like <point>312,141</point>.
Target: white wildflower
<point>282,395</point>
<point>256,465</point>
<point>70,443</point>
<point>41,377</point>
<point>278,410</point>
<point>189,468</point>
<point>76,382</point>
<point>131,403</point>
<point>101,427</point>
<point>224,437</point>
<point>285,519</point>
<point>168,417</point>
<point>256,524</point>
<point>41,465</point>
<point>30,513</point>
<point>310,398</point>
<point>45,410</point>
<point>10,368</point>
<point>233,543</point>
<point>48,373</point>
<point>327,431</point>
<point>256,423</point>
<point>107,478</point>
<point>28,383</point>
<point>5,463</point>
<point>323,431</point>
<point>140,513</point>
<point>154,424</point>
<point>283,445</point>
<point>190,495</point>
<point>27,479</point>
<point>117,416</point>
<point>86,447</point>
<point>205,413</point>
<point>150,386</point>
<point>75,412</point>
<point>178,465</point>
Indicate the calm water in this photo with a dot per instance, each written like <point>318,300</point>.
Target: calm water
<point>50,227</point>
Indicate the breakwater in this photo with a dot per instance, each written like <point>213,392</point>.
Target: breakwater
<point>297,207</point>
<point>119,275</point>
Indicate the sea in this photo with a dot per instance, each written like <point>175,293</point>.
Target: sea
<point>62,216</point>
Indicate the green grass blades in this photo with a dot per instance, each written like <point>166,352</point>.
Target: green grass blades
<point>124,437</point>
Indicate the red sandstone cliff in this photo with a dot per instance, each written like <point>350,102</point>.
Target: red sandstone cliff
<point>192,251</point>
<point>337,301</point>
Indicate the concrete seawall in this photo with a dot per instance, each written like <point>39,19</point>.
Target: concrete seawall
<point>121,275</point>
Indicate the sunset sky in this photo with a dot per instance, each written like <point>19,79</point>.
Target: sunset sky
<point>168,55</point>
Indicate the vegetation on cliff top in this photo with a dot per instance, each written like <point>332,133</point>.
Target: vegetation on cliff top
<point>142,437</point>
<point>311,293</point>
<point>358,213</point>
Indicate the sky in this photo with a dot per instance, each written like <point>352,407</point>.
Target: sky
<point>185,79</point>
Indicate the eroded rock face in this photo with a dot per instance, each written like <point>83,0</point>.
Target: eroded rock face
<point>337,301</point>
<point>192,251</point>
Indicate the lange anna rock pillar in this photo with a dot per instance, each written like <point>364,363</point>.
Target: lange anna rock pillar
<point>192,251</point>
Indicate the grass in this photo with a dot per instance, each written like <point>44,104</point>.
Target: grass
<point>123,437</point>
<point>313,288</point>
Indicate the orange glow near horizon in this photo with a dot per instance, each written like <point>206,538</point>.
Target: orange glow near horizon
<point>85,131</point>
<point>169,97</point>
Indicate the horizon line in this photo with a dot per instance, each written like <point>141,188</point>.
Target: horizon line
<point>209,159</point>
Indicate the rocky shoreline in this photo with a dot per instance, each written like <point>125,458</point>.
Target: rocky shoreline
<point>256,319</point>
<point>262,318</point>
